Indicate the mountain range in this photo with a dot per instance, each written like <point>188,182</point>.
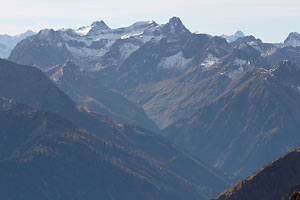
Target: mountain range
<point>54,139</point>
<point>140,60</point>
<point>164,108</point>
<point>44,156</point>
<point>249,125</point>
<point>88,91</point>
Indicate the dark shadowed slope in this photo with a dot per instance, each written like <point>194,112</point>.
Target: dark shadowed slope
<point>30,86</point>
<point>269,183</point>
<point>151,147</point>
<point>45,157</point>
<point>293,193</point>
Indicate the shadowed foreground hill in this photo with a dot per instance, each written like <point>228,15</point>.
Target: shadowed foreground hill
<point>271,182</point>
<point>46,157</point>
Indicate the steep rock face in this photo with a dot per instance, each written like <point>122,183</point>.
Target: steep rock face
<point>92,93</point>
<point>118,52</point>
<point>97,28</point>
<point>153,148</point>
<point>45,49</point>
<point>284,53</point>
<point>247,126</point>
<point>289,50</point>
<point>264,48</point>
<point>271,182</point>
<point>45,156</point>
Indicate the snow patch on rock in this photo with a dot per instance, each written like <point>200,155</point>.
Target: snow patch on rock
<point>59,45</point>
<point>127,49</point>
<point>296,88</point>
<point>239,71</point>
<point>6,104</point>
<point>82,52</point>
<point>235,73</point>
<point>240,62</point>
<point>209,61</point>
<point>130,35</point>
<point>176,61</point>
<point>83,30</point>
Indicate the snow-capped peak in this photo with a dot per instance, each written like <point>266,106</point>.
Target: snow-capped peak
<point>239,34</point>
<point>100,24</point>
<point>175,26</point>
<point>143,25</point>
<point>47,34</point>
<point>231,38</point>
<point>293,39</point>
<point>175,21</point>
<point>96,28</point>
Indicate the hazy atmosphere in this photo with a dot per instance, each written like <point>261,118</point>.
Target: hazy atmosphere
<point>270,20</point>
<point>150,100</point>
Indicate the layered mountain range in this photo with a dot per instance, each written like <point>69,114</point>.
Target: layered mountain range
<point>44,156</point>
<point>249,125</point>
<point>93,93</point>
<point>137,60</point>
<point>57,147</point>
<point>230,101</point>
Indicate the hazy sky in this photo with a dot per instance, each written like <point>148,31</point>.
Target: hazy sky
<point>270,20</point>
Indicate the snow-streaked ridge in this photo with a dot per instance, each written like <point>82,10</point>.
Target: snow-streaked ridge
<point>110,36</point>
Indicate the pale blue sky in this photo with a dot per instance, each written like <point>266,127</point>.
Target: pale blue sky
<point>270,20</point>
